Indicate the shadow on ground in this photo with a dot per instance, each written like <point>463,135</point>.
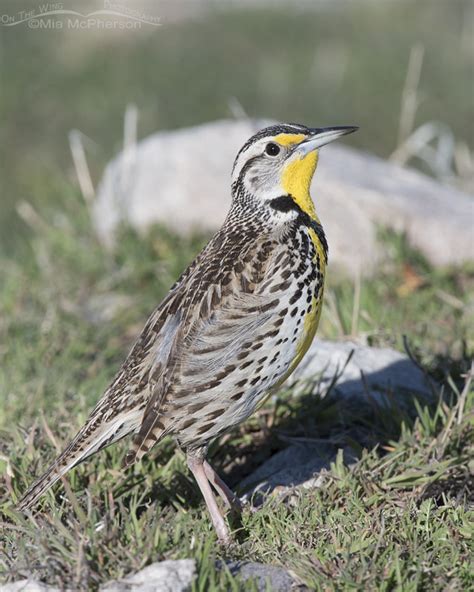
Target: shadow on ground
<point>289,442</point>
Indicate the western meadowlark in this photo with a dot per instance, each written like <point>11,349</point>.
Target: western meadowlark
<point>231,329</point>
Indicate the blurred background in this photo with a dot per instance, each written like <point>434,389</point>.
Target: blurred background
<point>317,62</point>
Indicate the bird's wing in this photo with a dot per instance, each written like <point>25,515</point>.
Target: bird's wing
<point>222,316</point>
<point>120,410</point>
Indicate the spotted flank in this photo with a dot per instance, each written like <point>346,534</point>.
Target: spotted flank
<point>231,329</point>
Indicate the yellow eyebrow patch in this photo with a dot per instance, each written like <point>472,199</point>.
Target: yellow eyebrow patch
<point>289,139</point>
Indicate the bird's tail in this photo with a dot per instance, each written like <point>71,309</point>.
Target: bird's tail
<point>93,436</point>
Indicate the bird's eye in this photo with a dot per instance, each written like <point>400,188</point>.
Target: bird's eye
<point>272,149</point>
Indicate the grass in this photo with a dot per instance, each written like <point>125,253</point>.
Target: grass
<point>400,519</point>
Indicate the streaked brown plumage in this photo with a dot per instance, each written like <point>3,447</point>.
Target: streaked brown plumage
<point>231,329</point>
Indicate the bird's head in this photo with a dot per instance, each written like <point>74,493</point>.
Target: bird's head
<point>276,165</point>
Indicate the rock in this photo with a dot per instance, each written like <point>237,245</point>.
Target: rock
<point>182,178</point>
<point>300,464</point>
<point>368,375</point>
<point>27,586</point>
<point>173,177</point>
<point>266,577</point>
<point>163,576</point>
<point>359,191</point>
<point>364,372</point>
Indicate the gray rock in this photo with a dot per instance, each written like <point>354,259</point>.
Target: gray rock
<point>182,178</point>
<point>300,464</point>
<point>365,375</point>
<point>27,586</point>
<point>363,371</point>
<point>163,576</point>
<point>359,191</point>
<point>172,177</point>
<point>266,576</point>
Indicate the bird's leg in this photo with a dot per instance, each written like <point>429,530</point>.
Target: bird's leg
<point>228,496</point>
<point>196,466</point>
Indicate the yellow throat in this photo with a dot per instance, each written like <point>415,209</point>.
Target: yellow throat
<point>296,180</point>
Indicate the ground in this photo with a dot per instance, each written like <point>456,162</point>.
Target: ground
<point>401,518</point>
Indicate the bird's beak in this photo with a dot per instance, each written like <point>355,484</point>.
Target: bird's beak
<point>322,136</point>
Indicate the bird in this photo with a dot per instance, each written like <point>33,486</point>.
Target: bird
<point>232,328</point>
